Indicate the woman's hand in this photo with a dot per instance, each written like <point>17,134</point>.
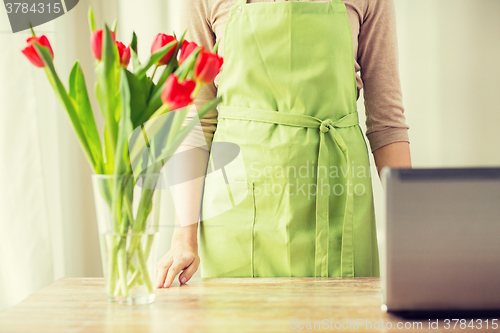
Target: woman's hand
<point>190,164</point>
<point>183,256</point>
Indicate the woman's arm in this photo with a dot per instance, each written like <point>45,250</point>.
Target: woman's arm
<point>387,130</point>
<point>394,155</point>
<point>189,164</point>
<point>183,254</point>
<point>378,60</point>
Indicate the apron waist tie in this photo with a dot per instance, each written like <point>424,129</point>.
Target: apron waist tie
<point>322,200</point>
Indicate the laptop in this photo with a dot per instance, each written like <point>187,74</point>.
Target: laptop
<point>440,242</point>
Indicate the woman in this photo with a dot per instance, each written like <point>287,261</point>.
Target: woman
<point>290,86</point>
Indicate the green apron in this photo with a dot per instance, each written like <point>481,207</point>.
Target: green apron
<point>299,202</point>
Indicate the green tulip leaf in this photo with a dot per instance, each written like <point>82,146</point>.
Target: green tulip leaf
<point>108,96</point>
<point>133,43</point>
<point>135,60</point>
<point>65,101</point>
<point>133,52</point>
<point>149,136</point>
<point>140,92</point>
<point>91,20</point>
<point>114,26</point>
<point>122,159</point>
<point>161,140</point>
<point>155,101</point>
<point>79,96</point>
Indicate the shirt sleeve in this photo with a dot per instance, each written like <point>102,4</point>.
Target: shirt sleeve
<point>378,58</point>
<point>195,22</point>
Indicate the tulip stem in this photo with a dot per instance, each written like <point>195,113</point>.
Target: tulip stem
<point>161,110</point>
<point>196,90</point>
<point>216,47</point>
<point>154,72</point>
<point>32,31</point>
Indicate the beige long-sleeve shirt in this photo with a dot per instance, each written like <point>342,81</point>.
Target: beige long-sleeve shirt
<point>373,27</point>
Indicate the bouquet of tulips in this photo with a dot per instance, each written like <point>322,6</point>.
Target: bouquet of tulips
<point>132,105</point>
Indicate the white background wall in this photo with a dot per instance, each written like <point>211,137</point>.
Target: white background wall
<point>450,79</point>
<point>449,71</point>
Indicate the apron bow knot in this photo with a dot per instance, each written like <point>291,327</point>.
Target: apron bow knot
<point>322,239</point>
<point>325,125</point>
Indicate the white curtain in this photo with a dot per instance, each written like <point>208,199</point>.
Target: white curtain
<point>449,70</point>
<point>47,227</point>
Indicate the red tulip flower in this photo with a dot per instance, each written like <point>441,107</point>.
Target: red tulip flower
<point>186,49</point>
<point>96,42</point>
<point>160,41</point>
<point>31,53</point>
<point>124,52</point>
<point>207,67</point>
<point>177,94</point>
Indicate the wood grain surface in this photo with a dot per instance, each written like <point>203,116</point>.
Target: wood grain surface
<point>215,305</point>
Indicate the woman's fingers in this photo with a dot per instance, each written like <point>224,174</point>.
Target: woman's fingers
<point>178,265</point>
<point>173,263</point>
<point>188,272</point>
<point>162,268</point>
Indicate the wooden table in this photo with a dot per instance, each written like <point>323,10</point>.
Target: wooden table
<point>213,305</point>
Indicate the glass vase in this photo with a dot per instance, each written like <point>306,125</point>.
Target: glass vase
<point>127,216</point>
